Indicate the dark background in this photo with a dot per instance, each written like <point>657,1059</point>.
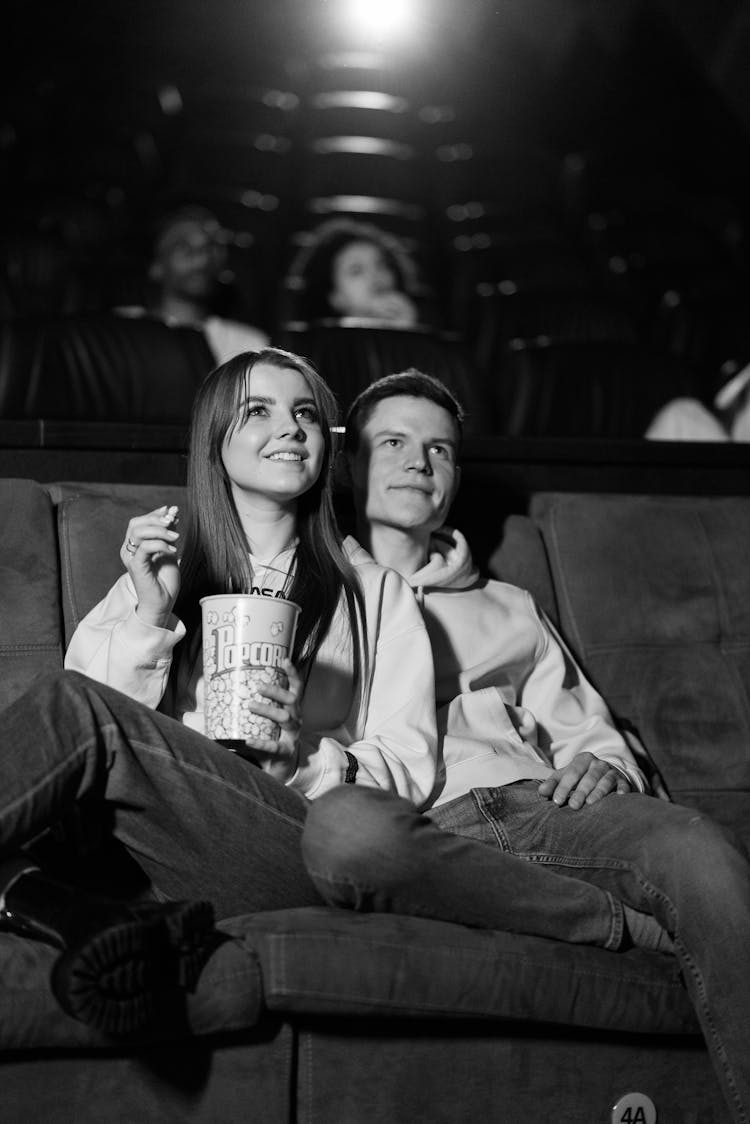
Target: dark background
<point>542,112</point>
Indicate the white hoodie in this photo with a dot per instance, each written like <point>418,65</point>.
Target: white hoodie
<point>512,702</point>
<point>391,730</point>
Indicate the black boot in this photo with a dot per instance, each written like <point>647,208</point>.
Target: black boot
<point>122,965</point>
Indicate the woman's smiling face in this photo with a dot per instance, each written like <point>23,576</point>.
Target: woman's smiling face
<point>276,450</point>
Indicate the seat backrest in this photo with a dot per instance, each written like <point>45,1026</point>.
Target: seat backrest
<point>30,610</point>
<point>106,367</point>
<point>590,388</point>
<point>92,523</point>
<point>654,597</point>
<point>350,358</point>
<point>20,344</point>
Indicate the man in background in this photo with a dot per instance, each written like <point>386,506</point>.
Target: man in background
<point>189,258</point>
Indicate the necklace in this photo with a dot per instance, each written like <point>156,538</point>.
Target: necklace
<point>261,577</point>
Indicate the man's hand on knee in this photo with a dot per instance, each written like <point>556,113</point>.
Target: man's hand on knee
<point>584,781</point>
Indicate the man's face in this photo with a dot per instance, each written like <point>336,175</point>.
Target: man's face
<point>191,261</point>
<point>405,472</point>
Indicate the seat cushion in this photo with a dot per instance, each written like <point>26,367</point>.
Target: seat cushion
<point>29,1014</point>
<point>319,961</point>
<point>228,997</point>
<point>336,962</point>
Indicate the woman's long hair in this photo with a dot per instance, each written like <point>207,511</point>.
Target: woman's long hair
<point>311,273</point>
<point>215,555</point>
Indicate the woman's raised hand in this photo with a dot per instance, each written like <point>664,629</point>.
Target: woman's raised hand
<point>395,306</point>
<point>278,756</point>
<point>149,554</point>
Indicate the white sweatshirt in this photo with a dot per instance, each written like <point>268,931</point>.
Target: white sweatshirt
<point>390,730</point>
<point>512,702</point>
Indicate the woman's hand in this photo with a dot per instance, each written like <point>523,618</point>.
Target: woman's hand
<point>396,307</point>
<point>149,554</point>
<point>278,756</point>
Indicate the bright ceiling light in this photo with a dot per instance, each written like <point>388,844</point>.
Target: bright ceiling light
<point>381,17</point>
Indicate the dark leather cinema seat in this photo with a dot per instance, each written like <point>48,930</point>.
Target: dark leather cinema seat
<point>577,389</point>
<point>352,357</point>
<point>100,367</point>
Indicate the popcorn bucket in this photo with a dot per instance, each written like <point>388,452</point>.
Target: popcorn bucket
<point>245,639</point>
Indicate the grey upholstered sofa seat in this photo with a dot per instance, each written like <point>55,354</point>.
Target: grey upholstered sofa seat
<point>321,1015</point>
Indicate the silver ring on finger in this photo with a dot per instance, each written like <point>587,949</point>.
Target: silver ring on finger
<point>130,546</point>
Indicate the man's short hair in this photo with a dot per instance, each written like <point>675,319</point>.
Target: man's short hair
<point>410,383</point>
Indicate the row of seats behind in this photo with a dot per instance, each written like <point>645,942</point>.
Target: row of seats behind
<point>103,367</point>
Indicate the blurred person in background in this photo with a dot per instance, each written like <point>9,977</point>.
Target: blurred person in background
<point>688,419</point>
<point>354,270</point>
<point>188,260</point>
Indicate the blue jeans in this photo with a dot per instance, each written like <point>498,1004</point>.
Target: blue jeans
<point>198,820</point>
<point>370,850</point>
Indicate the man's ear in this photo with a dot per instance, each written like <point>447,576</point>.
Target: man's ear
<point>156,271</point>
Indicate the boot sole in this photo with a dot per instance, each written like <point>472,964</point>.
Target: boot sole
<point>120,979</point>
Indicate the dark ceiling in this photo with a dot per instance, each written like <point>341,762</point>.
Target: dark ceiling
<point>100,99</point>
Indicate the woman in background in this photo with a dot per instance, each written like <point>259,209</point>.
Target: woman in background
<point>354,270</point>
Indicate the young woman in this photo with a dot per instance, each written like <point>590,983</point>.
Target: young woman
<point>124,740</point>
<point>355,270</point>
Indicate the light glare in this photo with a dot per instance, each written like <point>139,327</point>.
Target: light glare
<point>377,17</point>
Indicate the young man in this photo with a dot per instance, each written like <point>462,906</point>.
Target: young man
<point>533,764</point>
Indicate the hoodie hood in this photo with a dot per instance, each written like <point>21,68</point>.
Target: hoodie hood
<point>450,564</point>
